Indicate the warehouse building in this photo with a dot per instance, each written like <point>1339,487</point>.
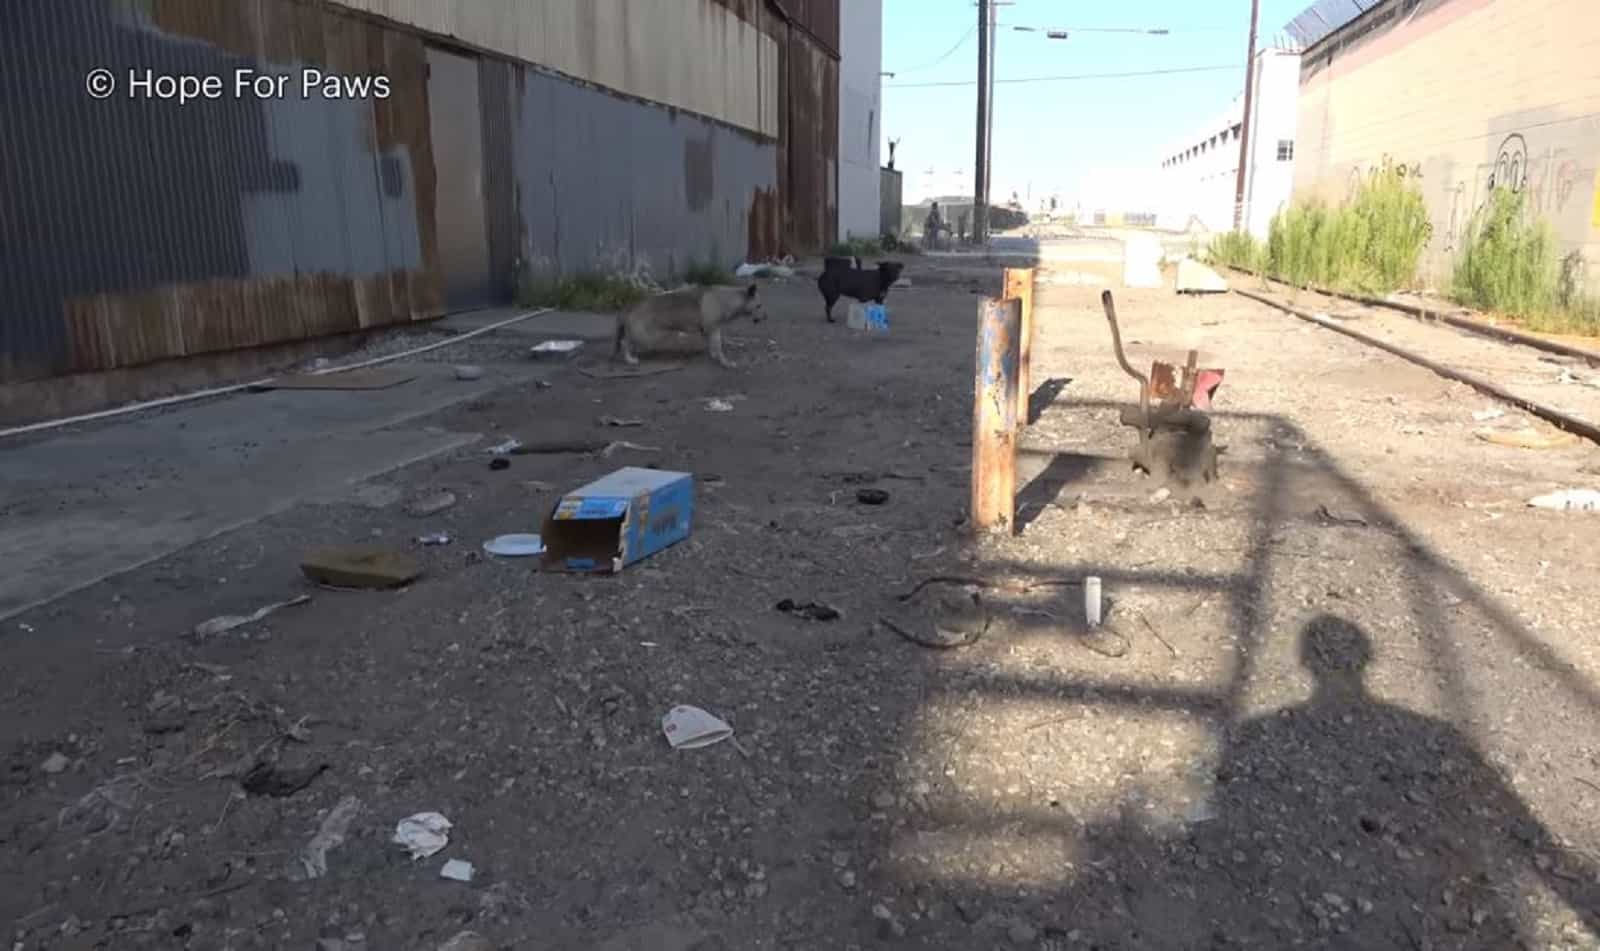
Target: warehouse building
<point>860,118</point>
<point>1472,95</point>
<point>507,140</point>
<point>1197,182</point>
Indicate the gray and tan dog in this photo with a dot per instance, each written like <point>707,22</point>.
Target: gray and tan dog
<point>671,318</point>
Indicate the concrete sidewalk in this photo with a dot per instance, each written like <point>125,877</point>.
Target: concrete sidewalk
<point>93,501</point>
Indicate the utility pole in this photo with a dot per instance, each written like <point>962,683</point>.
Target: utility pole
<point>980,185</point>
<point>1244,124</point>
<point>988,130</point>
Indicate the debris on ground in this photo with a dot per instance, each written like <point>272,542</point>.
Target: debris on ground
<point>515,545</point>
<point>431,504</point>
<point>467,941</point>
<point>622,422</point>
<point>227,622</point>
<point>360,566</point>
<point>1568,500</point>
<point>506,448</point>
<point>628,373</point>
<point>279,782</point>
<point>434,538</point>
<point>718,405</point>
<point>457,871</point>
<point>945,620</point>
<point>1484,415</point>
<point>872,496</point>
<point>1333,517</point>
<point>1528,438</point>
<point>555,349</point>
<point>588,529</point>
<point>469,373</point>
<point>424,834</point>
<point>499,463</point>
<point>313,859</point>
<point>57,762</point>
<point>810,611</point>
<point>690,728</point>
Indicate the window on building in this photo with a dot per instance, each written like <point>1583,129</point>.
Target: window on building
<point>1285,150</point>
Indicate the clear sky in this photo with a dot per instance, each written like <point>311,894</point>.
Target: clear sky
<point>1061,135</point>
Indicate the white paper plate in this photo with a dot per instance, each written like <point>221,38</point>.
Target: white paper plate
<point>514,546</point>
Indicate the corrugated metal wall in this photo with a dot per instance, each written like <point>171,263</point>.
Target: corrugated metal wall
<point>890,183</point>
<point>811,139</point>
<point>132,231</point>
<point>602,181</point>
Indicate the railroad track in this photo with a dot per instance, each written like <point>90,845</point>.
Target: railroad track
<point>1586,428</point>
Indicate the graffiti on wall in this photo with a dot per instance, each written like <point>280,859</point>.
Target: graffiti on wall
<point>1549,180</point>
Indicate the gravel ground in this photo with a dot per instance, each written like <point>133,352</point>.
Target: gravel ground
<point>1356,708</point>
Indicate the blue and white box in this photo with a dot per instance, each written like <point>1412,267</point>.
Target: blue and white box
<point>618,519</point>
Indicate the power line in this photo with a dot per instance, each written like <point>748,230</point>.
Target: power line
<point>1080,76</point>
<point>948,53</point>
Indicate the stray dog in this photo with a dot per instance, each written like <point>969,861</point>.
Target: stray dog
<point>840,279</point>
<point>647,325</point>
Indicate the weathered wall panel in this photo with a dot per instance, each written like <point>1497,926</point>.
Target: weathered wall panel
<point>137,230</point>
<point>890,187</point>
<point>1417,81</point>
<point>696,55</point>
<point>611,183</point>
<point>812,141</point>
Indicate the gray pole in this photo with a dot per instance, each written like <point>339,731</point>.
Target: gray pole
<point>980,185</point>
<point>1244,123</point>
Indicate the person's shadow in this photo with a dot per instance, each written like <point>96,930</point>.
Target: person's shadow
<point>1346,822</point>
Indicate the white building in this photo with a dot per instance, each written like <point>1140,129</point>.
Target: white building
<point>860,115</point>
<point>1197,172</point>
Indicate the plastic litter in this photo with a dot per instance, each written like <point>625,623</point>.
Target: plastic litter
<point>1569,500</point>
<point>423,834</point>
<point>719,406</point>
<point>435,538</point>
<point>556,348</point>
<point>505,448</point>
<point>515,546</point>
<point>1091,600</point>
<point>1484,415</point>
<point>457,871</point>
<point>690,728</point>
<point>227,622</point>
<point>330,835</point>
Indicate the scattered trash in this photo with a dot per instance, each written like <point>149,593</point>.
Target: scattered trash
<point>555,349</point>
<point>1160,495</point>
<point>506,448</point>
<point>227,622</point>
<point>436,538</point>
<point>877,318</point>
<point>457,871</point>
<point>469,373</point>
<point>613,447</point>
<point>628,373</point>
<point>1569,500</point>
<point>616,520</point>
<point>956,619</point>
<point>431,504</point>
<point>270,779</point>
<point>1528,438</point>
<point>1339,518</point>
<point>515,546</point>
<point>499,463</point>
<point>718,406</point>
<point>810,611</point>
<point>620,421</point>
<point>56,763</point>
<point>360,566</point>
<point>1484,415</point>
<point>313,859</point>
<point>1105,640</point>
<point>872,496</point>
<point>423,834</point>
<point>1091,600</point>
<point>690,728</point>
<point>467,941</point>
<point>749,270</point>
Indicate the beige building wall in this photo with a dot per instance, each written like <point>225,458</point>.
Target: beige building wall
<point>696,55</point>
<point>1473,94</point>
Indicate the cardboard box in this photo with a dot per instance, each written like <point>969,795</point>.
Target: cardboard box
<point>619,519</point>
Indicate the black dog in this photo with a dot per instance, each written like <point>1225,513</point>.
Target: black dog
<point>844,277</point>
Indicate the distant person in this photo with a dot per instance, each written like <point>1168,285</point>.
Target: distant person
<point>961,228</point>
<point>934,224</point>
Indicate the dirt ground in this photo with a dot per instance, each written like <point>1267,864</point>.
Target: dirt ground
<point>1358,705</point>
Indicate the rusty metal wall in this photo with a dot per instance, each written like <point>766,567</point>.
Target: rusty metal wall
<point>890,185</point>
<point>810,134</point>
<point>820,18</point>
<point>134,231</point>
<point>609,183</point>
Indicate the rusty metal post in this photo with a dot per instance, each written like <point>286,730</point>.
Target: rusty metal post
<point>1019,286</point>
<point>994,416</point>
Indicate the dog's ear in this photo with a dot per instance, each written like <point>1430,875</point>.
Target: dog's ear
<point>750,292</point>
